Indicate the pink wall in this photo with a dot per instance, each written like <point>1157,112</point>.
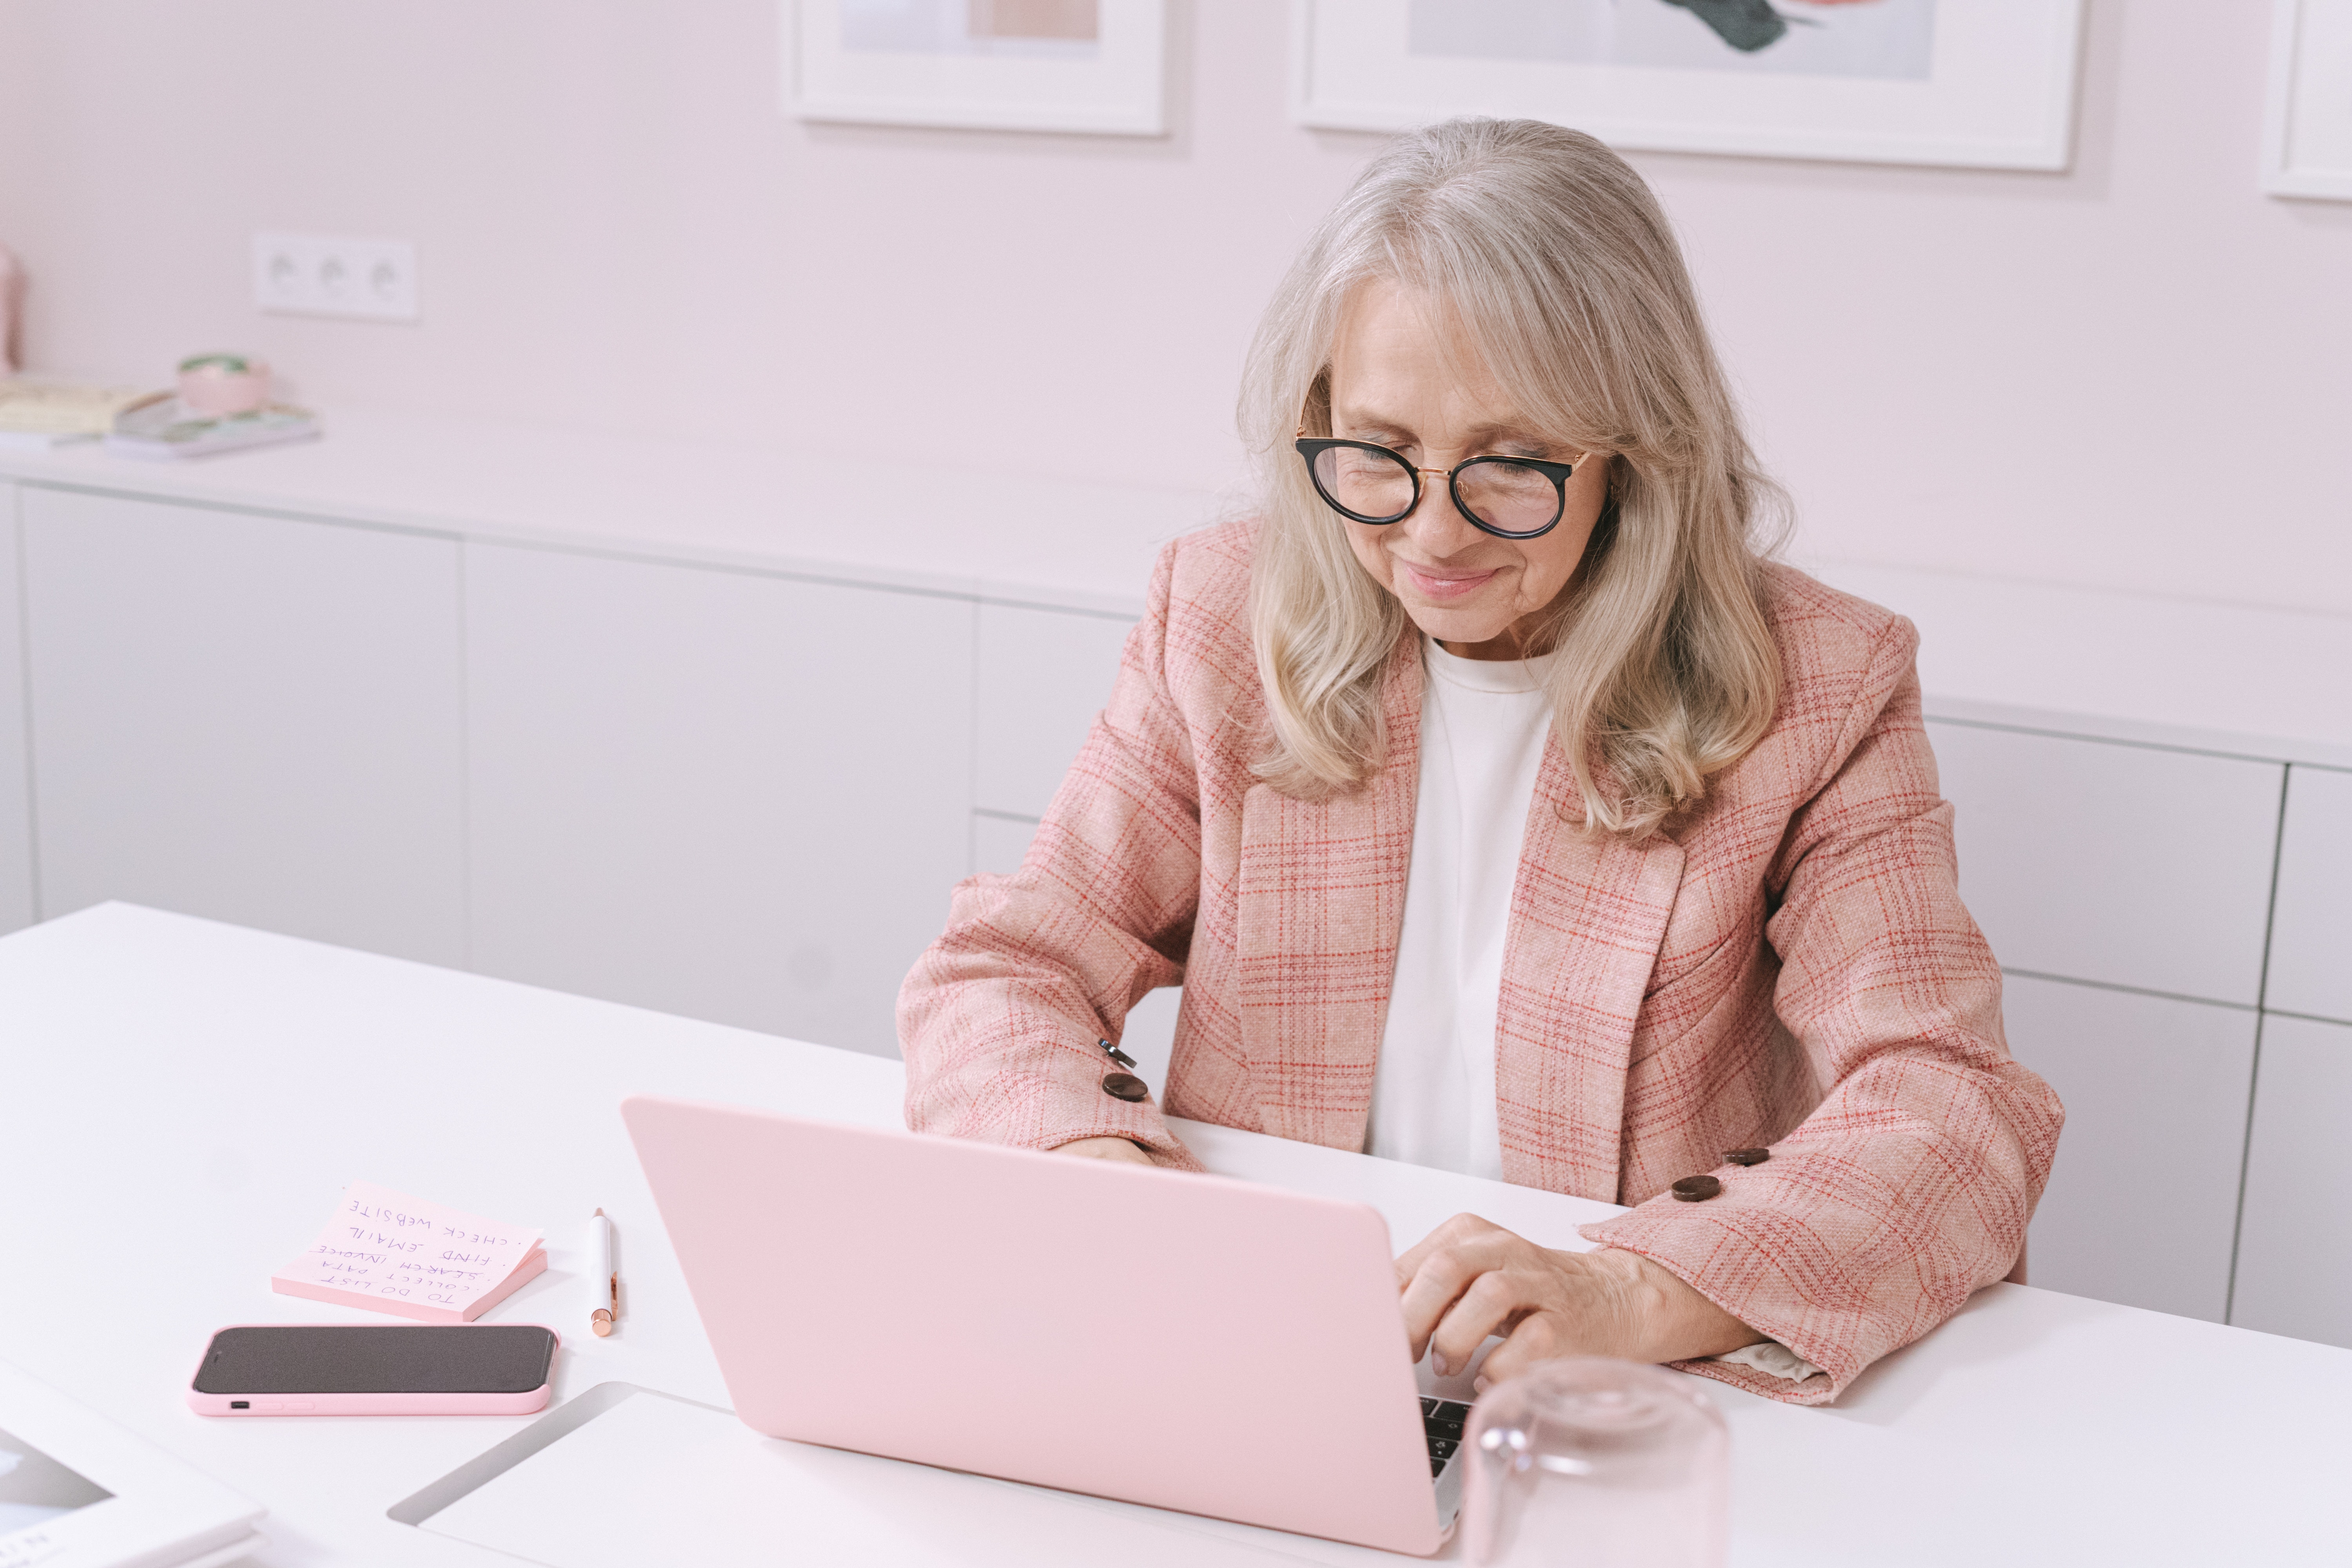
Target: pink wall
<point>2136,374</point>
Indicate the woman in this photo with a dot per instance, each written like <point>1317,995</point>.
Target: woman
<point>1498,807</point>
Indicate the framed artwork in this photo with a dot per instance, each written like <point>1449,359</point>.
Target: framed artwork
<point>993,65</point>
<point>1988,83</point>
<point>2307,122</point>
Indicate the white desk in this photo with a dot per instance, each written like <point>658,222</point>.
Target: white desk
<point>182,1101</point>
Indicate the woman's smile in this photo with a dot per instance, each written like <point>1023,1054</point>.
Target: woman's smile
<point>1446,582</point>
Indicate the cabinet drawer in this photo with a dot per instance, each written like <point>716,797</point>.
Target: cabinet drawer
<point>687,796</point>
<point>2143,1200</point>
<point>2311,934</point>
<point>252,719</point>
<point>2294,1256</point>
<point>2125,864</point>
<point>1042,677</point>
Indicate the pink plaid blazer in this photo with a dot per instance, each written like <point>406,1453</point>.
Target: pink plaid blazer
<point>1790,965</point>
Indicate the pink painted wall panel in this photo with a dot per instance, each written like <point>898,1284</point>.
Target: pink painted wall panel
<point>2133,375</point>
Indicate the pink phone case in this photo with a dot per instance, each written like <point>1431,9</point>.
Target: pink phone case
<point>524,1404</point>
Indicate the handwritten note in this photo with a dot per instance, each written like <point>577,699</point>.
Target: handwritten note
<point>398,1254</point>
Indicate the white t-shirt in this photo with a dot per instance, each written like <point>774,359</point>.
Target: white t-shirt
<point>1484,726</point>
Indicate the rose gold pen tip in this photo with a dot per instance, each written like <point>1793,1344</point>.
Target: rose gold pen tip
<point>602,1322</point>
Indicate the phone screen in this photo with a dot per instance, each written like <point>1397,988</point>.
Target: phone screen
<point>368,1358</point>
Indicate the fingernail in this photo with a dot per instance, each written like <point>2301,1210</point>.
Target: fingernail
<point>1477,1385</point>
<point>1437,1365</point>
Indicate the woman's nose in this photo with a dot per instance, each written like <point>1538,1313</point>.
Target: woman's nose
<point>1435,524</point>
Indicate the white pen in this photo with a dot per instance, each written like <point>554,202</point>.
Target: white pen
<point>606,1284</point>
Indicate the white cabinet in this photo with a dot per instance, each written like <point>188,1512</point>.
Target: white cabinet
<point>2311,932</point>
<point>16,781</point>
<point>2125,864</point>
<point>998,841</point>
<point>1044,675</point>
<point>744,796</point>
<point>740,797</point>
<point>2294,1255</point>
<point>255,719</point>
<point>2142,1203</point>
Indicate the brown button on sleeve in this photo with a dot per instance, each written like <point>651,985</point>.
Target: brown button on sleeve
<point>1697,1189</point>
<point>1747,1156</point>
<point>1125,1086</point>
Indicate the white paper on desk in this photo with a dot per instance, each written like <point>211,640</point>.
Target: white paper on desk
<point>653,1479</point>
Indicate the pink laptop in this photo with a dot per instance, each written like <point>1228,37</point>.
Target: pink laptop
<point>1188,1341</point>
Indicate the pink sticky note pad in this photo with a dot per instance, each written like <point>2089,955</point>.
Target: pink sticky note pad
<point>390,1252</point>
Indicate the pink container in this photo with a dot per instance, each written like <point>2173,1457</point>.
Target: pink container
<point>216,385</point>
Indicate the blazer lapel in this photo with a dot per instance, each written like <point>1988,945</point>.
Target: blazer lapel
<point>1320,901</point>
<point>1587,913</point>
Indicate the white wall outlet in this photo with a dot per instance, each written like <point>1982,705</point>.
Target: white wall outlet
<point>319,275</point>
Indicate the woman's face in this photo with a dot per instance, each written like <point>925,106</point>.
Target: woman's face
<point>1401,378</point>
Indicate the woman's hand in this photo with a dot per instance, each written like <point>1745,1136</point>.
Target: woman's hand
<point>1107,1149</point>
<point>1469,1278</point>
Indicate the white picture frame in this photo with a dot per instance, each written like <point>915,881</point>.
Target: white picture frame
<point>1995,89</point>
<point>2307,114</point>
<point>1115,86</point>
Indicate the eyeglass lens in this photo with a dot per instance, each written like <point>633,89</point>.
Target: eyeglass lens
<point>1506,496</point>
<point>1366,482</point>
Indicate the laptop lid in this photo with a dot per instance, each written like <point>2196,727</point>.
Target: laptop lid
<point>1188,1341</point>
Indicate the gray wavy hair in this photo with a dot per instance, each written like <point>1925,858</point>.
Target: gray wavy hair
<point>1560,266</point>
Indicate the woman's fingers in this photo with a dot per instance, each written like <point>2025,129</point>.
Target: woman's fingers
<point>1443,1276</point>
<point>1461,1227</point>
<point>1539,1337</point>
<point>1469,1278</point>
<point>1445,1271</point>
<point>1544,1303</point>
<point>1489,1306</point>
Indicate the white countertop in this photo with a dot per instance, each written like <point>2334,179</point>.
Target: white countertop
<point>1075,545</point>
<point>2130,667</point>
<point>2246,680</point>
<point>183,1101</point>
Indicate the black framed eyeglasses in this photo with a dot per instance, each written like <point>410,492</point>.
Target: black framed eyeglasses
<point>1510,497</point>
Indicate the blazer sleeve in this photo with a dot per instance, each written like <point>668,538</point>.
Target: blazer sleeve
<point>1911,1184</point>
<point>1000,1017</point>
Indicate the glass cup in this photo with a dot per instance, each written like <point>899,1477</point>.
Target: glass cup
<point>1598,1464</point>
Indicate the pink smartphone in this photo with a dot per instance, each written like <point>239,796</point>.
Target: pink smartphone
<point>372,1369</point>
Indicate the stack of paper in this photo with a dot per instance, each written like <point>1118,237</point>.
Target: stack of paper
<point>392,1253</point>
<point>35,416</point>
<point>76,1491</point>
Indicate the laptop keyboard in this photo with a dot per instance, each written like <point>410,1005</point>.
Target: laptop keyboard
<point>1442,1420</point>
